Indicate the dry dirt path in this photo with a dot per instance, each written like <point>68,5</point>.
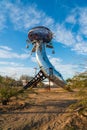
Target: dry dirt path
<point>42,111</point>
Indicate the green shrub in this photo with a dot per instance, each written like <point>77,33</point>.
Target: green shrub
<point>6,93</point>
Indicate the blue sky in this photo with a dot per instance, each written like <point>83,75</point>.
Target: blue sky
<point>67,19</point>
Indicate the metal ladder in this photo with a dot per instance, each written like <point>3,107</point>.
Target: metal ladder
<point>39,77</point>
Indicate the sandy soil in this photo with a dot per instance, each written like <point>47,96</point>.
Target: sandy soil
<point>44,110</point>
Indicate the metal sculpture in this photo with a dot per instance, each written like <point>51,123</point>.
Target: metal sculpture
<point>41,37</point>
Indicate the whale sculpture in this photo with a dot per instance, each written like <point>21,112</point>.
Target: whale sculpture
<point>41,37</point>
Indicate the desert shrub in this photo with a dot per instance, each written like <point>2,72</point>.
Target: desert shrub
<point>81,105</point>
<point>40,85</point>
<point>1,79</point>
<point>6,93</point>
<point>80,82</point>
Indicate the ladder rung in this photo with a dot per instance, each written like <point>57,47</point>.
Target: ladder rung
<point>39,77</point>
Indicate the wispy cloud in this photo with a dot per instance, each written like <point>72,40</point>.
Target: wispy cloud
<point>64,36</point>
<point>83,21</point>
<point>3,17</point>
<point>71,19</point>
<point>74,36</point>
<point>25,17</point>
<point>6,48</point>
<point>17,69</point>
<point>33,59</point>
<point>11,64</point>
<point>2,22</point>
<point>16,72</point>
<point>5,52</point>
<point>81,48</point>
<point>69,69</point>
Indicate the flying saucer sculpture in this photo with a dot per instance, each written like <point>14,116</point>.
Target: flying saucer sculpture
<point>40,37</point>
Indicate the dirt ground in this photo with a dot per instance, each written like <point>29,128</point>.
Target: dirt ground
<point>44,110</point>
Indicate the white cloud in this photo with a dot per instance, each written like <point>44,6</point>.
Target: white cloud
<point>34,59</point>
<point>5,52</point>
<point>81,48</point>
<point>83,21</point>
<point>55,60</point>
<point>13,64</point>
<point>67,70</point>
<point>2,22</point>
<point>74,39</point>
<point>78,16</point>
<point>6,48</point>
<point>71,19</point>
<point>64,36</point>
<point>24,17</point>
<point>2,17</point>
<point>79,38</point>
<point>16,72</point>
